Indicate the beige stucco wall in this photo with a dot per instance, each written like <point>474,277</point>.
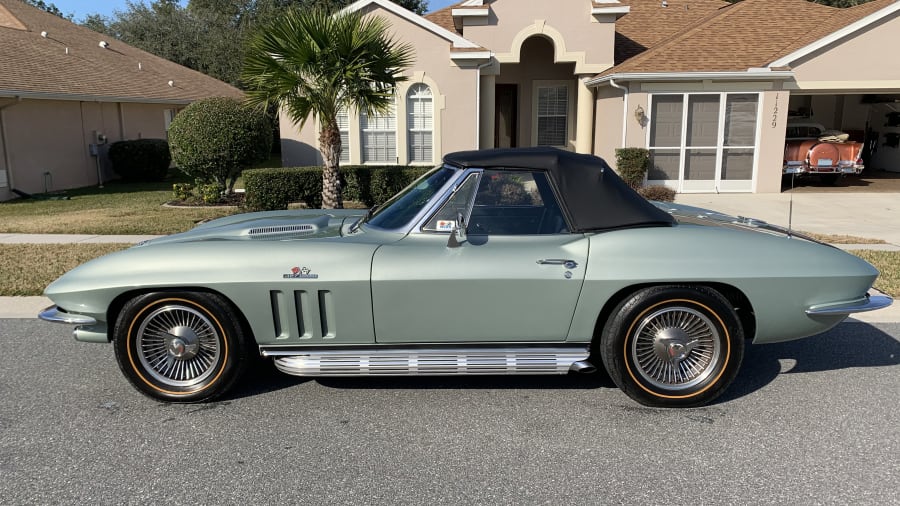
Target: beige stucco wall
<point>608,123</point>
<point>455,101</point>
<point>145,121</point>
<point>579,38</point>
<point>53,136</point>
<point>608,135</point>
<point>45,136</point>
<point>770,144</point>
<point>865,61</point>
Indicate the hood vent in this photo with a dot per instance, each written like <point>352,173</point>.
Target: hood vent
<point>282,231</point>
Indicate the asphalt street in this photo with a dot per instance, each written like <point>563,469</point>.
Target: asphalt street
<point>807,422</point>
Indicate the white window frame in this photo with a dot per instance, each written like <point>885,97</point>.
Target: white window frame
<point>412,96</point>
<point>344,129</point>
<point>383,131</point>
<point>720,185</point>
<point>570,110</point>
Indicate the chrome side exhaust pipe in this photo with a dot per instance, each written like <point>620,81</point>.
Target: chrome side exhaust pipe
<point>583,367</point>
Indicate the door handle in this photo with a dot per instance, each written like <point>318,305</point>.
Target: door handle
<point>569,264</point>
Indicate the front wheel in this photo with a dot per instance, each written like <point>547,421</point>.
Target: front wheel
<point>180,347</point>
<point>673,346</point>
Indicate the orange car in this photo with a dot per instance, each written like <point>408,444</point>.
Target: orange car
<point>810,150</point>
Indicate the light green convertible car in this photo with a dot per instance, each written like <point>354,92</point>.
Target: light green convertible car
<point>516,261</point>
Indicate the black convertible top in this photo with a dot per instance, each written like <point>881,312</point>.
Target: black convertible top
<point>594,195</point>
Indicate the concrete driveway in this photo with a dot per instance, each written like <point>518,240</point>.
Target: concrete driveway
<point>870,215</point>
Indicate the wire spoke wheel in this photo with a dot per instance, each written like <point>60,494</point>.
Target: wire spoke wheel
<point>178,345</point>
<point>675,348</point>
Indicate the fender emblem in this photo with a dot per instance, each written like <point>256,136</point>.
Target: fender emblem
<point>300,273</point>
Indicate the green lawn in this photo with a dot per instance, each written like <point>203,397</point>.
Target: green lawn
<point>118,208</point>
<point>27,268</point>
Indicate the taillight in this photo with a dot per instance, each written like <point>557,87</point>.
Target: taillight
<point>859,161</point>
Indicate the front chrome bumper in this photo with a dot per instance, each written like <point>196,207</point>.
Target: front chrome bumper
<point>867,303</point>
<point>56,315</point>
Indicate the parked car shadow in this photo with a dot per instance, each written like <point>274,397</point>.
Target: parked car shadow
<point>848,345</point>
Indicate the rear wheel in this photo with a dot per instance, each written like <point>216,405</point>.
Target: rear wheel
<point>673,346</point>
<point>180,347</point>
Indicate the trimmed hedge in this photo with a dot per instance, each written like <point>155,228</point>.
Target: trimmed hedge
<point>269,189</point>
<point>632,165</point>
<point>143,160</point>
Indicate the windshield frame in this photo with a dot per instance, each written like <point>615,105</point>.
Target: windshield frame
<point>436,199</point>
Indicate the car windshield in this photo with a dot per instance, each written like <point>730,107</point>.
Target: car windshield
<point>404,206</point>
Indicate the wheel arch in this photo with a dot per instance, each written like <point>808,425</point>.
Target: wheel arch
<point>742,306</point>
<point>116,306</point>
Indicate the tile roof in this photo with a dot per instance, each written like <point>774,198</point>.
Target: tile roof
<point>733,38</point>
<point>444,17</point>
<point>70,62</point>
<point>648,23</point>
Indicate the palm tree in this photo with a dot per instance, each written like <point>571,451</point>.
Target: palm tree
<point>310,62</point>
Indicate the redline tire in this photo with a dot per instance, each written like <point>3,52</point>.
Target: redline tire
<point>673,346</point>
<point>180,346</point>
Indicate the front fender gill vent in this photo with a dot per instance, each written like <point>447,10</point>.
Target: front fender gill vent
<point>282,231</point>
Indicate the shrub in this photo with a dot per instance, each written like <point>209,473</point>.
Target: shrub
<point>632,165</point>
<point>183,191</point>
<point>213,140</point>
<point>268,189</point>
<point>210,193</point>
<point>660,193</point>
<point>140,160</point>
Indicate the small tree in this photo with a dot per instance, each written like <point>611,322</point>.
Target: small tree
<point>213,140</point>
<point>312,64</point>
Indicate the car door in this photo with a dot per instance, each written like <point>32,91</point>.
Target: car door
<point>516,277</point>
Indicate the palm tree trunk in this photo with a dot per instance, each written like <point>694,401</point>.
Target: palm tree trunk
<point>330,146</point>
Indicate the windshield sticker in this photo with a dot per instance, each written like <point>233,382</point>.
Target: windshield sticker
<point>446,225</point>
<point>301,273</point>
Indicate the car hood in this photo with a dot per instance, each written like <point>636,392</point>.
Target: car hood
<point>269,226</point>
<point>700,216</point>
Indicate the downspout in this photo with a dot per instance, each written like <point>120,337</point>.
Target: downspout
<point>6,158</point>
<point>612,82</point>
<point>478,103</point>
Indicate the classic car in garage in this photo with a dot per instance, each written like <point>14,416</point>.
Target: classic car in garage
<point>510,261</point>
<point>811,150</point>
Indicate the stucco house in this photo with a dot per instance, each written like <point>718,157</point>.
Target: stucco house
<point>67,92</point>
<point>707,86</point>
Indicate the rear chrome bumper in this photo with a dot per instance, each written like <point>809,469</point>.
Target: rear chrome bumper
<point>56,315</point>
<point>867,303</point>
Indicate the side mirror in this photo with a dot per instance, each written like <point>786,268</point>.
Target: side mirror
<point>458,234</point>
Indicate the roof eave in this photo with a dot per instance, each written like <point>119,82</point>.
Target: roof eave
<point>38,95</point>
<point>456,39</point>
<point>745,75</point>
<point>836,36</point>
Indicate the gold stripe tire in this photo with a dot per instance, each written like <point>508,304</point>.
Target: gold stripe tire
<point>673,346</point>
<point>180,346</point>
